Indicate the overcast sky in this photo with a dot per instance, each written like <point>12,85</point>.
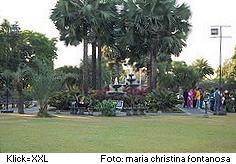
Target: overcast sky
<point>34,15</point>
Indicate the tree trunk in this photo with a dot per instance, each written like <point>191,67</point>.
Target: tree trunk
<point>149,71</point>
<point>20,103</point>
<point>99,82</point>
<point>153,63</point>
<point>153,57</point>
<point>43,109</point>
<point>94,66</point>
<point>85,68</point>
<point>154,71</point>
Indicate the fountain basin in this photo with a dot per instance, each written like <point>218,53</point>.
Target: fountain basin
<point>131,80</point>
<point>116,86</point>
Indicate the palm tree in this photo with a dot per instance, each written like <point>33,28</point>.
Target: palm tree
<point>103,18</point>
<point>79,20</point>
<point>203,68</point>
<point>94,66</point>
<point>44,84</point>
<point>72,20</point>
<point>180,70</point>
<point>71,77</point>
<point>161,25</point>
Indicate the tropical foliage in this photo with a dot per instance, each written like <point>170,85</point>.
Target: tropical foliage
<point>61,99</point>
<point>160,27</point>
<point>44,84</point>
<point>107,107</point>
<point>229,73</point>
<point>161,101</point>
<point>18,51</point>
<point>84,21</point>
<point>203,68</point>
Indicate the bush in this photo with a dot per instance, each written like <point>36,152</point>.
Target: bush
<point>229,104</point>
<point>161,101</point>
<point>91,100</point>
<point>60,100</point>
<point>107,107</point>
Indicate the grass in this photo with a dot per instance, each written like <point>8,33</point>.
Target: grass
<point>118,134</point>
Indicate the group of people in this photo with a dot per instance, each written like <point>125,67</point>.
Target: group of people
<point>194,98</point>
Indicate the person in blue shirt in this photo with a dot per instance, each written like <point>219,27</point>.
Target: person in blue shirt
<point>218,101</point>
<point>212,100</point>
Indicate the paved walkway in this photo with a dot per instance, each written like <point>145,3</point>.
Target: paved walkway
<point>194,111</point>
<point>187,111</point>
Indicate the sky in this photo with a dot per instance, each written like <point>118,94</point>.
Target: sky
<point>34,15</point>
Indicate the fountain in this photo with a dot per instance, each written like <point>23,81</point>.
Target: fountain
<point>117,94</point>
<point>116,87</point>
<point>131,79</point>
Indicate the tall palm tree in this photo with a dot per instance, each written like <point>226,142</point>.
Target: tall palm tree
<point>71,17</point>
<point>94,65</point>
<point>104,18</point>
<point>203,68</point>
<point>161,25</point>
<point>77,20</point>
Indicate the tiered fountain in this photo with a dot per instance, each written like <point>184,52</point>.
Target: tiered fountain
<point>116,91</point>
<point>117,94</point>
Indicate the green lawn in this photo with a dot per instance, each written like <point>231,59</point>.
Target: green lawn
<point>126,134</point>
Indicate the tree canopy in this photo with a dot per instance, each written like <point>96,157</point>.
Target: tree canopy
<point>17,46</point>
<point>19,50</point>
<point>133,29</point>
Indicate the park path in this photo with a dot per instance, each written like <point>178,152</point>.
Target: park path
<point>194,111</point>
<point>186,111</point>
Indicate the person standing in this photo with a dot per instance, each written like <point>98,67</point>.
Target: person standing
<point>218,101</point>
<point>194,98</point>
<point>212,100</point>
<point>226,101</point>
<point>190,98</point>
<point>198,97</point>
<point>201,98</point>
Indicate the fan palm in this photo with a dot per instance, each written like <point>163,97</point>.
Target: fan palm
<point>203,68</point>
<point>71,17</point>
<point>161,25</point>
<point>103,18</point>
<point>79,20</point>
